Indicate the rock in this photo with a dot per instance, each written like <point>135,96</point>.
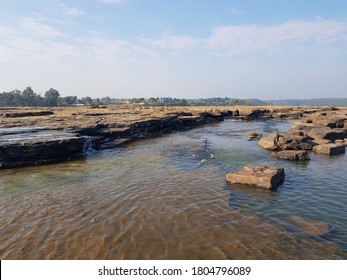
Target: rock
<point>291,155</point>
<point>326,133</point>
<point>336,121</point>
<point>253,135</point>
<point>22,147</point>
<point>312,227</point>
<point>329,149</point>
<point>321,141</point>
<point>260,175</point>
<point>27,114</point>
<point>270,141</point>
<point>294,145</point>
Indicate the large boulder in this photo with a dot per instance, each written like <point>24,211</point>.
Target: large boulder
<point>269,141</point>
<point>260,175</point>
<point>330,149</point>
<point>291,155</point>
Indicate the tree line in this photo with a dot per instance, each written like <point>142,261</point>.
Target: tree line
<point>52,98</point>
<point>28,97</point>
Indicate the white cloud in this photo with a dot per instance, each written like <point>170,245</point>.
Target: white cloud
<point>167,41</point>
<point>37,28</point>
<point>72,11</point>
<point>248,38</point>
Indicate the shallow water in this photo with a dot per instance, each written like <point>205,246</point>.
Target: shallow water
<point>166,198</point>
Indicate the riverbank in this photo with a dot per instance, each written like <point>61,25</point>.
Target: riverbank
<point>33,136</point>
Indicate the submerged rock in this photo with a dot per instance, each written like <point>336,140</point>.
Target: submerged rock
<point>312,227</point>
<point>260,175</point>
<point>291,155</point>
<point>254,135</point>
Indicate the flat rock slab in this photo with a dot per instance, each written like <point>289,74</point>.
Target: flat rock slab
<point>291,155</point>
<point>330,149</point>
<point>35,146</point>
<point>326,133</point>
<point>260,175</point>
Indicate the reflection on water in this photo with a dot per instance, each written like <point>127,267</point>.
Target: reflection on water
<point>166,198</point>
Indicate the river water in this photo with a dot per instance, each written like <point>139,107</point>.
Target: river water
<point>167,198</point>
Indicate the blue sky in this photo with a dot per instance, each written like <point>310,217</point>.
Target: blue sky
<point>184,48</point>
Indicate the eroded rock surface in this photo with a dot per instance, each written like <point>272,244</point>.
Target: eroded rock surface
<point>260,175</point>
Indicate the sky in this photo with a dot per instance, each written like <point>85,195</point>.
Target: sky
<point>269,49</point>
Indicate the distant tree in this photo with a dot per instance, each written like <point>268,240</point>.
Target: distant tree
<point>106,100</point>
<point>27,97</point>
<point>87,100</point>
<point>51,97</point>
<point>67,100</point>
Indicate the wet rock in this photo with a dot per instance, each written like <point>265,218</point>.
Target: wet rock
<point>329,149</point>
<point>260,175</point>
<point>269,141</point>
<point>312,227</point>
<point>291,155</point>
<point>35,147</point>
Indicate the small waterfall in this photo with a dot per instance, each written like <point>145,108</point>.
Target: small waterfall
<point>88,147</point>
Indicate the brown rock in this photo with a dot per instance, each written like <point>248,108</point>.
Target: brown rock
<point>270,141</point>
<point>329,149</point>
<point>260,176</point>
<point>291,155</point>
<point>326,133</point>
<point>321,141</point>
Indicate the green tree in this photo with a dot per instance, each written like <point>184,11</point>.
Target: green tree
<point>51,97</point>
<point>27,97</point>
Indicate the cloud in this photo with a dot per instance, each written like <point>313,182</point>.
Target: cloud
<point>37,28</point>
<point>167,41</point>
<point>72,11</point>
<point>249,38</point>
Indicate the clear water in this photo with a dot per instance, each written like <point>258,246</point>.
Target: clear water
<point>166,198</point>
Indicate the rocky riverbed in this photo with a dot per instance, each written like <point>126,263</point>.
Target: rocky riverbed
<point>34,136</point>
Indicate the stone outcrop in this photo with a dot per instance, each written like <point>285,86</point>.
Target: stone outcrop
<point>326,133</point>
<point>261,176</point>
<point>329,149</point>
<point>34,146</point>
<point>287,141</point>
<point>291,155</point>
<point>113,126</point>
<point>22,147</point>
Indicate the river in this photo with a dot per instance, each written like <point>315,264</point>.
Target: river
<point>167,198</point>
